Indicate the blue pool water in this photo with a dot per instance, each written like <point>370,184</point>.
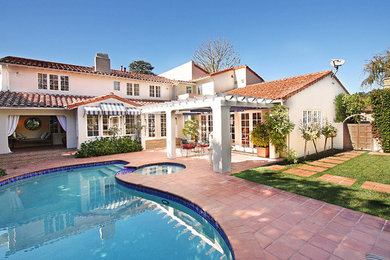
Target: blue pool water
<point>159,169</point>
<point>85,214</point>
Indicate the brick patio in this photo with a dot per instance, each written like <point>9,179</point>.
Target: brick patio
<point>261,222</point>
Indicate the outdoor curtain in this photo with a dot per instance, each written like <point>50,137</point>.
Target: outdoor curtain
<point>12,124</point>
<point>62,120</point>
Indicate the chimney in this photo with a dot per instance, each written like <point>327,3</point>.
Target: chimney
<point>387,83</point>
<point>121,68</point>
<point>124,69</point>
<point>102,63</point>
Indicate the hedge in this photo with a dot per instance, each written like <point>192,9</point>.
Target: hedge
<point>380,103</point>
<point>108,145</point>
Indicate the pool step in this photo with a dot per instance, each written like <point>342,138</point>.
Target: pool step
<point>114,168</point>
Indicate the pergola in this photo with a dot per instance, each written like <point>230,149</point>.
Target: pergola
<point>221,105</point>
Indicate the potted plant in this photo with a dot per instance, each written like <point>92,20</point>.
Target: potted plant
<point>260,138</point>
<point>190,130</point>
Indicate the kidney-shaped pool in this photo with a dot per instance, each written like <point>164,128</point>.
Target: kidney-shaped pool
<point>82,212</point>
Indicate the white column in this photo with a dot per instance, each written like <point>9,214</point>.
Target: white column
<point>171,134</point>
<point>4,133</point>
<point>144,123</point>
<point>221,139</point>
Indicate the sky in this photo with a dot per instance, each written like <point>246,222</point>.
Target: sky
<point>277,39</point>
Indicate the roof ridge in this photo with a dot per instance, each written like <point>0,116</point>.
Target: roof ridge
<point>45,61</point>
<point>293,77</point>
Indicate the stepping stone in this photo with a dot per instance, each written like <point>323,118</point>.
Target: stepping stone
<point>322,164</point>
<point>337,179</point>
<point>299,172</point>
<point>376,186</point>
<point>346,155</point>
<point>327,160</point>
<point>276,167</point>
<point>312,168</point>
<point>339,158</point>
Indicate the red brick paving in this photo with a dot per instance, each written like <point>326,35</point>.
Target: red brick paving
<point>337,179</point>
<point>369,185</point>
<point>299,172</point>
<point>261,222</point>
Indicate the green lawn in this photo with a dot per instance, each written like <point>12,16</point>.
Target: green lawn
<point>364,167</point>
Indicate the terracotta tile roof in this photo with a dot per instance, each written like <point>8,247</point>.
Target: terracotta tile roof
<point>27,100</point>
<point>282,88</point>
<point>83,69</point>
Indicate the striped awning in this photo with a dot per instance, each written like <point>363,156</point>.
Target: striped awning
<point>113,109</point>
<point>92,110</point>
<point>133,111</point>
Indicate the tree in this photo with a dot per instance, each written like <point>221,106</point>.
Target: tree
<point>142,67</point>
<point>190,129</point>
<point>310,132</point>
<point>329,131</point>
<point>215,55</point>
<point>378,68</point>
<point>279,126</point>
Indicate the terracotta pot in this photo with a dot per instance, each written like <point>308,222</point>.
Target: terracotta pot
<point>263,152</point>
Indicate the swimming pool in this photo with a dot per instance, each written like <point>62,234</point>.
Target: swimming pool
<point>159,169</point>
<point>84,213</point>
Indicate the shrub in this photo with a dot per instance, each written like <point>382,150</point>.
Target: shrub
<point>380,102</point>
<point>107,146</point>
<point>347,105</point>
<point>2,172</point>
<point>292,156</point>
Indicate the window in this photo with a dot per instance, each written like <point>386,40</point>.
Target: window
<point>65,83</point>
<point>54,82</point>
<point>256,119</point>
<point>151,91</point>
<point>42,81</point>
<point>130,124</point>
<point>232,130</point>
<point>110,124</point>
<point>117,85</point>
<point>158,91</point>
<point>92,125</point>
<point>129,89</point>
<point>245,129</point>
<point>310,116</point>
<point>151,125</point>
<point>154,91</point>
<point>136,89</point>
<point>163,125</point>
<point>188,89</point>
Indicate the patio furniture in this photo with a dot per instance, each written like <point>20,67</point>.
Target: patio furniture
<point>18,140</point>
<point>203,147</point>
<point>186,146</point>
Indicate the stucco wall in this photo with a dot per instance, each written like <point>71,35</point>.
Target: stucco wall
<point>251,78</point>
<point>319,96</point>
<point>26,79</point>
<point>70,118</point>
<point>224,81</point>
<point>241,79</point>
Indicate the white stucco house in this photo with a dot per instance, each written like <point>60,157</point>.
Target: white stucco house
<point>50,103</point>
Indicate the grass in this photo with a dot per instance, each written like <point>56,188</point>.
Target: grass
<point>364,167</point>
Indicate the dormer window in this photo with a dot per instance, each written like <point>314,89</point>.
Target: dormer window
<point>42,81</point>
